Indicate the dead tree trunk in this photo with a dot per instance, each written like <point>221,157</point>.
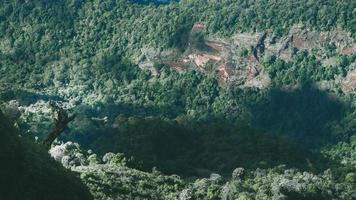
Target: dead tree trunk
<point>61,123</point>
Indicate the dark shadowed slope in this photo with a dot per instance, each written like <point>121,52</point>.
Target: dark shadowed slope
<point>28,172</point>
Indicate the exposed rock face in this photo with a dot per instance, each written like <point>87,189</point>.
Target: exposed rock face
<point>199,26</point>
<point>248,40</point>
<point>246,69</point>
<point>200,60</point>
<point>222,55</point>
<point>231,68</point>
<point>349,83</point>
<point>349,50</point>
<point>303,38</point>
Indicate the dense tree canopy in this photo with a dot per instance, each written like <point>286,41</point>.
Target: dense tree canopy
<point>117,64</point>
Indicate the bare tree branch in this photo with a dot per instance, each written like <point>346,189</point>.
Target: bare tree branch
<point>61,122</point>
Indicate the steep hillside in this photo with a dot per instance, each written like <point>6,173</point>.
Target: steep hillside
<point>192,88</point>
<point>108,177</point>
<point>28,172</point>
<point>60,46</point>
<point>254,59</point>
<point>289,72</point>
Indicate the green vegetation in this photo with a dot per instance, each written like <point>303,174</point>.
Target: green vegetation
<point>305,68</point>
<point>108,178</point>
<point>77,42</point>
<point>118,66</point>
<point>198,40</point>
<point>28,172</point>
<point>188,149</point>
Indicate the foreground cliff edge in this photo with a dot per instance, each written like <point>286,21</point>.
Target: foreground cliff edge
<point>28,172</point>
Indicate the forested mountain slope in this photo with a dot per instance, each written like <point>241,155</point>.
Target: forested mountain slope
<point>232,53</point>
<point>191,87</point>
